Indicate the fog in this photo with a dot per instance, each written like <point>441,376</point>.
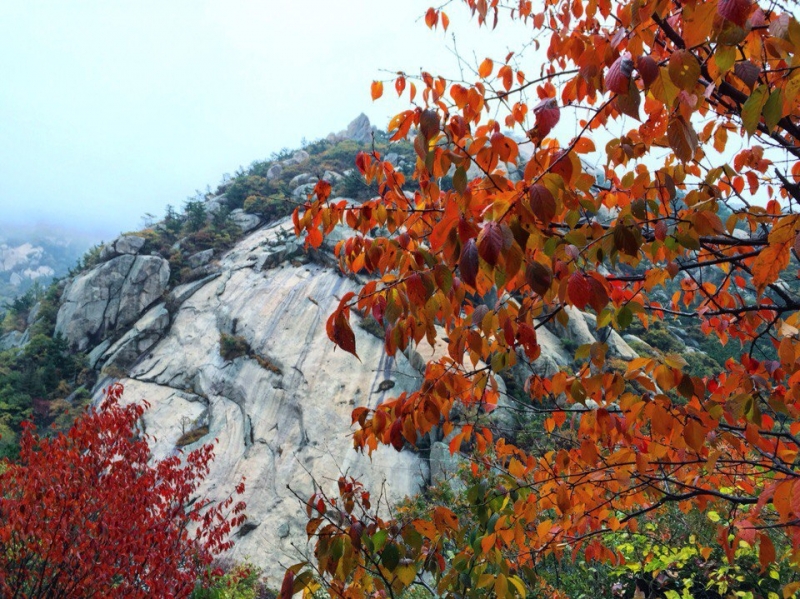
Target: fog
<point>111,110</point>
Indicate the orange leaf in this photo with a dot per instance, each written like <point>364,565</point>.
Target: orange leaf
<point>486,68</point>
<point>769,263</point>
<point>376,89</point>
<point>584,145</point>
<point>431,18</point>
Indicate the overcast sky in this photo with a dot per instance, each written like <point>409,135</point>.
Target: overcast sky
<point>113,108</point>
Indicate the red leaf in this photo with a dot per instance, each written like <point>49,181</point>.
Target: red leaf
<point>342,335</point>
<point>526,335</point>
<point>396,434</point>
<point>682,139</point>
<point>288,584</point>
<point>429,123</point>
<point>400,85</point>
<point>431,18</point>
<point>539,277</point>
<point>468,263</point>
<point>542,203</point>
<point>579,290</point>
<point>618,77</point>
<point>547,115</point>
<point>648,69</point>
<point>598,298</point>
<point>735,11</point>
<point>490,242</point>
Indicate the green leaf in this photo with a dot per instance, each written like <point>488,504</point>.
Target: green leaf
<point>390,557</point>
<point>751,111</point>
<point>624,317</point>
<point>460,180</point>
<point>725,56</point>
<point>772,109</point>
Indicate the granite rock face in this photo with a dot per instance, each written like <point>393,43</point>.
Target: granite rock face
<point>109,297</point>
<point>281,413</point>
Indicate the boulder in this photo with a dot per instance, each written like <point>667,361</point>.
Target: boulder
<point>200,258</point>
<point>298,157</point>
<point>303,190</point>
<point>246,222</point>
<point>274,171</point>
<point>359,129</point>
<point>126,244</point>
<point>109,297</point>
<point>300,179</point>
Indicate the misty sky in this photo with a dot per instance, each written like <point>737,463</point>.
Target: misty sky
<point>114,108</point>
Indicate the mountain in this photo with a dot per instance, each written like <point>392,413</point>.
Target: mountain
<point>37,254</point>
<point>216,317</point>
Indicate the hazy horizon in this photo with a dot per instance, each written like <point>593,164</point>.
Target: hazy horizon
<point>114,110</point>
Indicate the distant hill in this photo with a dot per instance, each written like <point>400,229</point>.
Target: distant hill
<point>37,253</point>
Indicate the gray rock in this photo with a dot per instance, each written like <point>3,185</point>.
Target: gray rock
<point>392,157</point>
<point>33,314</point>
<point>129,244</point>
<point>109,297</point>
<point>299,157</point>
<point>126,244</point>
<point>303,190</point>
<point>445,466</point>
<point>215,204</point>
<point>97,353</point>
<point>283,419</point>
<point>200,258</point>
<point>246,222</point>
<point>617,346</point>
<point>300,179</point>
<point>183,292</point>
<point>331,176</point>
<point>12,340</point>
<point>359,129</point>
<point>274,171</point>
<point>141,337</point>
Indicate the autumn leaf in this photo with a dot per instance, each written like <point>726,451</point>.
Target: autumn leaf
<point>769,263</point>
<point>735,11</point>
<point>539,277</point>
<point>682,139</point>
<point>490,243</point>
<point>648,69</point>
<point>376,90</point>
<point>618,78</point>
<point>579,290</point>
<point>341,333</point>
<point>547,115</point>
<point>542,203</point>
<point>486,68</point>
<point>468,263</point>
<point>684,70</point>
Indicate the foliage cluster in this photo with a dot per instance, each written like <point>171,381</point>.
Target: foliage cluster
<point>224,580</point>
<point>89,513</point>
<point>37,379</point>
<point>692,109</point>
